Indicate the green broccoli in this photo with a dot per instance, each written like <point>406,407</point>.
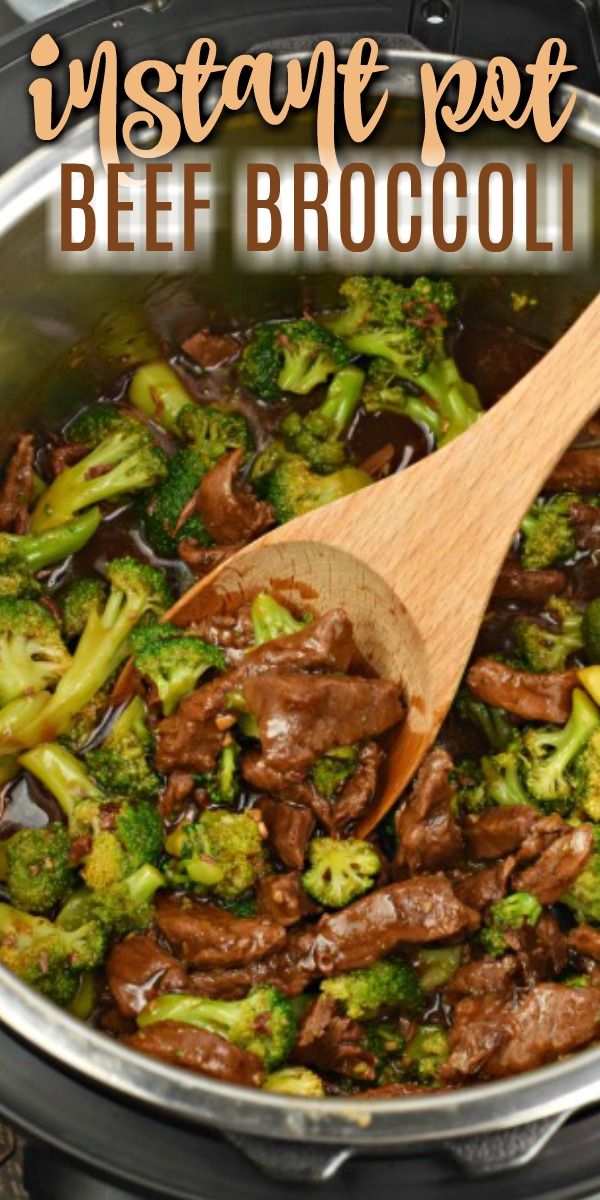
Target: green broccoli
<point>47,957</point>
<point>387,986</point>
<point>293,489</point>
<point>93,424</point>
<point>223,784</point>
<point>271,620</point>
<point>125,461</point>
<point>32,655</point>
<point>513,912</point>
<point>493,779</point>
<point>21,555</point>
<point>66,779</point>
<point>123,907</point>
<point>135,842</point>
<point>340,871</point>
<point>14,717</point>
<point>591,631</point>
<point>426,1053</point>
<point>377,301</point>
<point>332,770</point>
<point>222,853</point>
<point>36,867</point>
<point>493,723</point>
<point>161,510</point>
<point>137,590</point>
<point>317,436</point>
<point>262,1023</point>
<point>436,965</point>
<point>81,597</point>
<point>173,661</point>
<point>121,764</point>
<point>86,723</point>
<point>212,432</point>
<point>290,356</point>
<point>549,752</point>
<point>295,1081</point>
<point>540,648</point>
<point>548,533</point>
<point>451,407</point>
<point>157,391</point>
<point>585,778</point>
<point>387,1044</point>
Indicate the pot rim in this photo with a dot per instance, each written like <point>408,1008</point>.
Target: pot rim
<point>559,1088</point>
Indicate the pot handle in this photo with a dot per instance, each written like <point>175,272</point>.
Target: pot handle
<point>294,1162</point>
<point>504,1149</point>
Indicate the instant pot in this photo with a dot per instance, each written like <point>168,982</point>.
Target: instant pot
<point>101,1122</point>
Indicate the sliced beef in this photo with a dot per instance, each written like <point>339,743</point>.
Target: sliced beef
<point>289,830</point>
<point>577,471</point>
<point>300,717</point>
<point>210,349</point>
<point>428,835</point>
<point>203,559</point>
<point>533,697</point>
<point>212,937</point>
<point>541,949</point>
<point>263,777</point>
<point>357,794</point>
<point>483,976</point>
<point>477,1030</point>
<point>180,788</point>
<point>283,899</point>
<point>198,1050</point>
<point>558,866</point>
<point>482,887</point>
<point>15,491</point>
<point>138,969</point>
<point>230,511</point>
<point>331,1042</point>
<point>542,834</point>
<point>585,940</point>
<point>189,736</point>
<point>528,587</point>
<point>499,831</point>
<point>586,523</point>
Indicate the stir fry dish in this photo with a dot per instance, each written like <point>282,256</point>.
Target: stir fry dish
<point>181,860</point>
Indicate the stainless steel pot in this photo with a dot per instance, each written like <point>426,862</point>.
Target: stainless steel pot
<point>44,315</point>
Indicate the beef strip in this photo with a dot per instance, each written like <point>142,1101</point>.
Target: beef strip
<point>212,937</point>
<point>283,899</point>
<point>585,940</point>
<point>586,524</point>
<point>499,831</point>
<point>541,950</point>
<point>300,717</point>
<point>263,777</point>
<point>230,511</point>
<point>542,834</point>
<point>480,888</point>
<point>138,969</point>
<point>577,471</point>
<point>184,1045</point>
<point>356,795</point>
<point>210,349</point>
<point>203,559</point>
<point>533,697</point>
<point>514,583</point>
<point>428,835</point>
<point>289,830</point>
<point>180,787</point>
<point>560,863</point>
<point>483,976</point>
<point>15,492</point>
<point>188,735</point>
<point>329,1041</point>
<point>497,1037</point>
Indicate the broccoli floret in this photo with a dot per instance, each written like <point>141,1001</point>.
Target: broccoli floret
<point>125,461</point>
<point>224,784</point>
<point>136,590</point>
<point>92,425</point>
<point>426,1053</point>
<point>293,489</point>
<point>436,966</point>
<point>161,510</point>
<point>84,726</point>
<point>290,356</point>
<point>317,436</point>
<point>387,1044</point>
<point>37,870</point>
<point>295,1081</point>
<point>540,648</point>
<point>121,764</point>
<point>591,631</point>
<point>211,432</point>
<point>271,620</point>
<point>513,912</point>
<point>32,655</point>
<point>80,598</point>
<point>493,779</point>
<point>157,391</point>
<point>262,1023</point>
<point>135,842</point>
<point>173,661</point>
<point>549,751</point>
<point>585,778</point>
<point>583,896</point>
<point>378,301</point>
<point>340,871</point>
<point>23,554</point>
<point>121,908</point>
<point>368,992</point>
<point>493,723</point>
<point>222,853</point>
<point>548,532</point>
<point>47,957</point>
<point>332,770</point>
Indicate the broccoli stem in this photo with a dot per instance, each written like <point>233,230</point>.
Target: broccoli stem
<point>53,545</point>
<point>220,1016</point>
<point>270,619</point>
<point>62,774</point>
<point>590,678</point>
<point>143,883</point>
<point>14,716</point>
<point>157,391</point>
<point>341,401</point>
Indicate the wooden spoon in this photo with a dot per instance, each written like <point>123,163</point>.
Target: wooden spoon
<point>413,559</point>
